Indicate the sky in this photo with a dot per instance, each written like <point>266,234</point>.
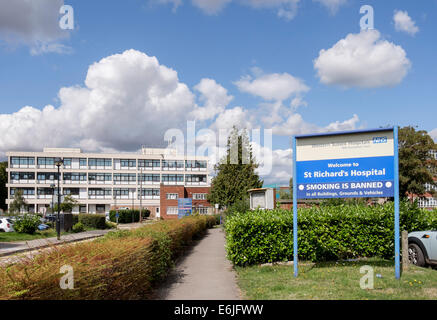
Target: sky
<point>128,71</point>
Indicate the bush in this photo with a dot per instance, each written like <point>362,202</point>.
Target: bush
<point>242,205</point>
<point>95,221</point>
<point>122,265</point>
<point>27,224</point>
<point>125,216</point>
<point>78,227</point>
<point>325,233</point>
<point>75,218</point>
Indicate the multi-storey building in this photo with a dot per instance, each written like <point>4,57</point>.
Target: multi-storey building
<point>101,182</point>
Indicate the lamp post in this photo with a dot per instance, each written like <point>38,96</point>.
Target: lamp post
<point>53,186</point>
<point>59,162</point>
<point>115,206</point>
<point>141,195</point>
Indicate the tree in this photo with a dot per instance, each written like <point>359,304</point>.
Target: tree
<point>3,182</point>
<point>17,203</point>
<point>67,205</point>
<point>416,166</point>
<point>235,173</point>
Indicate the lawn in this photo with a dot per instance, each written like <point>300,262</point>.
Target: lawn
<point>335,280</point>
<point>15,236</point>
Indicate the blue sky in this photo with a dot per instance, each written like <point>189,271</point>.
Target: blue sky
<point>240,40</point>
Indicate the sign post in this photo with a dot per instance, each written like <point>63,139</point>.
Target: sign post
<point>355,164</point>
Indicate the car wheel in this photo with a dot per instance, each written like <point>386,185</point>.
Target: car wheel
<point>1,230</point>
<point>415,255</point>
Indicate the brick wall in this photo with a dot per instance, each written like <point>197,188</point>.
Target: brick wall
<point>183,192</point>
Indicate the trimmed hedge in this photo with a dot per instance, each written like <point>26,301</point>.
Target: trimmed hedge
<point>97,221</point>
<point>325,233</point>
<point>122,265</point>
<point>125,216</point>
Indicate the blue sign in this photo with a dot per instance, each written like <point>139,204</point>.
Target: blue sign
<point>345,178</point>
<point>357,164</point>
<point>185,207</point>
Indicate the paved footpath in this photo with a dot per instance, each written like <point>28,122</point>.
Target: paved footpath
<point>204,273</point>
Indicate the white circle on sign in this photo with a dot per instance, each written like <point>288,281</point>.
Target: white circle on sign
<point>301,187</point>
<point>388,184</point>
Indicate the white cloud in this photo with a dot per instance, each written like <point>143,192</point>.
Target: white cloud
<point>32,23</point>
<point>237,116</point>
<point>433,134</point>
<point>332,5</point>
<point>272,87</point>
<point>286,9</point>
<point>362,60</point>
<point>129,99</point>
<point>404,23</point>
<point>211,6</point>
<point>214,97</point>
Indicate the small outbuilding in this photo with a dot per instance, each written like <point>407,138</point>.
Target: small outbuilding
<point>262,198</point>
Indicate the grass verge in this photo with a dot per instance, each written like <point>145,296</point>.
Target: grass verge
<point>336,280</point>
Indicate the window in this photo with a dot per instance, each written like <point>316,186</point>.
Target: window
<point>200,196</point>
<point>172,210</point>
<point>45,191</point>
<point>67,162</point>
<point>22,161</point>
<point>128,163</point>
<point>101,177</point>
<point>149,177</point>
<point>46,162</point>
<point>43,176</point>
<point>195,178</point>
<point>150,192</point>
<point>71,191</point>
<point>202,210</point>
<point>106,163</point>
<point>82,162</point>
<point>172,164</point>
<point>149,163</point>
<point>172,178</point>
<point>25,191</point>
<point>100,208</point>
<point>82,208</point>
<point>196,163</point>
<point>22,176</point>
<point>75,176</point>
<point>99,192</point>
<point>121,192</point>
<point>125,177</point>
<point>172,196</point>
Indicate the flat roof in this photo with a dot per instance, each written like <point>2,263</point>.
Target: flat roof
<point>336,133</point>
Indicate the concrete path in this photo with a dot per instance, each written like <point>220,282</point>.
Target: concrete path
<point>204,273</point>
<point>8,248</point>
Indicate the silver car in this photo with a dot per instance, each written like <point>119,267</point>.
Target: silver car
<point>422,248</point>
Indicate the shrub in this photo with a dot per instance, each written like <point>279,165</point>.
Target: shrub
<point>125,216</point>
<point>121,265</point>
<point>325,233</point>
<point>27,224</point>
<point>96,221</point>
<point>78,227</point>
<point>75,218</point>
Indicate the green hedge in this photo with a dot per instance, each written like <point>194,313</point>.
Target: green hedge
<point>123,265</point>
<point>325,233</point>
<point>125,216</point>
<point>97,221</point>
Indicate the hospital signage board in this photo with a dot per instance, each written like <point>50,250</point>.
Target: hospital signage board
<point>348,165</point>
<point>185,207</point>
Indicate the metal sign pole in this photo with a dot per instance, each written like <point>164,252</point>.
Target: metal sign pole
<point>396,198</point>
<point>295,209</point>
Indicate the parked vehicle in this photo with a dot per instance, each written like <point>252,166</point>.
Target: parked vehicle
<point>43,226</point>
<point>422,248</point>
<point>6,225</point>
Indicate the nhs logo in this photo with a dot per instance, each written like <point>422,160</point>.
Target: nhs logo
<point>379,140</point>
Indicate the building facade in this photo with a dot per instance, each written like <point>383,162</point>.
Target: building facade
<point>101,182</point>
<point>428,200</point>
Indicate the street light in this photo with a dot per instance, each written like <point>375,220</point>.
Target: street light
<point>141,195</point>
<point>59,162</point>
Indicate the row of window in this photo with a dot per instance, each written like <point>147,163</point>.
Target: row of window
<point>107,163</point>
<point>175,210</point>
<point>91,191</point>
<point>127,177</point>
<point>196,196</point>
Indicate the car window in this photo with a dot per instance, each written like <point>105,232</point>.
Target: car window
<point>9,220</point>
